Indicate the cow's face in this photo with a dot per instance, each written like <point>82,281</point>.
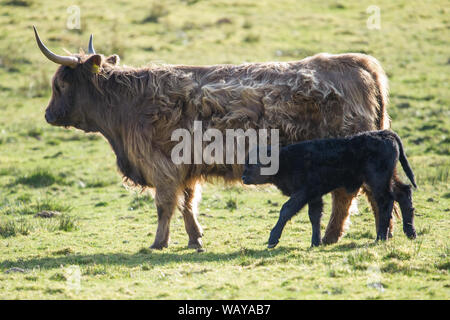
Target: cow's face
<point>75,87</point>
<point>75,96</point>
<point>64,107</point>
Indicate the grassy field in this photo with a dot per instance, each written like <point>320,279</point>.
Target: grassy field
<point>97,246</point>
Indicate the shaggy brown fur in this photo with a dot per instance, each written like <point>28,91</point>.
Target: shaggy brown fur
<point>137,109</point>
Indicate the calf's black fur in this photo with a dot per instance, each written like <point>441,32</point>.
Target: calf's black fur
<point>311,169</point>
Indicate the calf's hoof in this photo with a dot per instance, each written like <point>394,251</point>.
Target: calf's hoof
<point>195,244</point>
<point>410,233</point>
<point>316,244</point>
<point>272,245</point>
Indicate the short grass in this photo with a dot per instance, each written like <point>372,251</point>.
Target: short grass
<point>103,234</point>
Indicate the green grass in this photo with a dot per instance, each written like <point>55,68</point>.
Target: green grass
<point>104,230</point>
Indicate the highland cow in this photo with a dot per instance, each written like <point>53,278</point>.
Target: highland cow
<point>311,169</point>
<point>137,109</point>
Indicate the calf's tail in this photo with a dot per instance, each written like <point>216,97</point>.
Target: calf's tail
<point>405,164</point>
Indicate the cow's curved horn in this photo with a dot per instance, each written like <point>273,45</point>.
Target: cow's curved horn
<point>63,60</point>
<point>91,49</point>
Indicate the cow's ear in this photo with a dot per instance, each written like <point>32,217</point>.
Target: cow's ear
<point>93,63</point>
<point>114,59</point>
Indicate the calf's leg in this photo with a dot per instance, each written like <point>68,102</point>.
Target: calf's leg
<point>385,203</point>
<point>289,209</point>
<point>373,204</point>
<point>380,185</point>
<point>189,212</point>
<point>339,214</point>
<point>403,195</point>
<point>315,208</point>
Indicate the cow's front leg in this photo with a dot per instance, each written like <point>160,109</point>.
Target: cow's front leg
<point>165,205</point>
<point>189,210</point>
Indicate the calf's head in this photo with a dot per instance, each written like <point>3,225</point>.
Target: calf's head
<point>75,87</point>
<point>253,169</point>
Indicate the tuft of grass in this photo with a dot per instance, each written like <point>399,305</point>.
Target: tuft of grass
<point>95,270</point>
<point>139,202</point>
<point>11,228</point>
<point>58,276</point>
<point>19,3</point>
<point>67,223</point>
<point>360,259</point>
<point>157,11</point>
<point>24,206</point>
<point>231,204</point>
<point>145,251</point>
<point>251,38</point>
<point>65,252</point>
<point>247,24</point>
<point>39,178</point>
<point>35,132</point>
<point>98,183</point>
<point>337,5</point>
<point>397,254</point>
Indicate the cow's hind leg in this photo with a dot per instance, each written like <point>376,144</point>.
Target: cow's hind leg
<point>289,209</point>
<point>165,206</point>
<point>315,208</point>
<point>189,210</point>
<point>339,214</point>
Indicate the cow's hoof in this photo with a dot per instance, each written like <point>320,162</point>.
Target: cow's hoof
<point>158,246</point>
<point>195,244</point>
<point>329,239</point>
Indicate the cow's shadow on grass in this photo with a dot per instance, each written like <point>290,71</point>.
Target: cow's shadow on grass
<point>156,258</point>
<point>149,258</point>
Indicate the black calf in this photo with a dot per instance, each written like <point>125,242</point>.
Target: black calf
<point>310,169</point>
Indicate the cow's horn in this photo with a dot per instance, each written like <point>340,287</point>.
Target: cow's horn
<point>91,49</point>
<point>64,60</point>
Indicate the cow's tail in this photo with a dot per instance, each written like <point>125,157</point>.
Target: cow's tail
<point>404,161</point>
<point>372,66</point>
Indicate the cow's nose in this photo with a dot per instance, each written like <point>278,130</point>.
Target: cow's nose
<point>49,117</point>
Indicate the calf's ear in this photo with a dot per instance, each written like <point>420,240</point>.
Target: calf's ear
<point>93,63</point>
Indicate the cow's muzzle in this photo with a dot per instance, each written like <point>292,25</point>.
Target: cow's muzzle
<point>50,117</point>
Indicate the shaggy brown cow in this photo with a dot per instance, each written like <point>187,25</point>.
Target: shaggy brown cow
<point>137,109</point>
